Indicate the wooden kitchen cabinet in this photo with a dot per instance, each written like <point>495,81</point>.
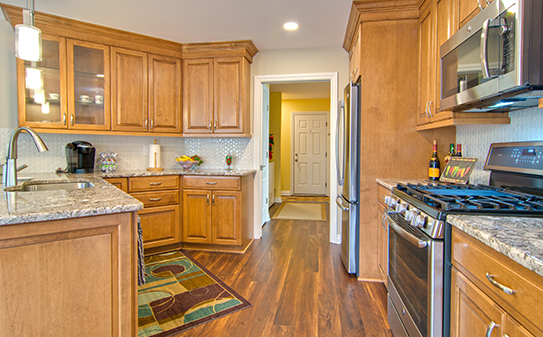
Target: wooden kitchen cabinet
<point>427,62</point>
<point>476,302</point>
<point>217,212</point>
<point>71,277</point>
<point>382,255</point>
<point>216,96</point>
<point>468,9</point>
<point>88,77</point>
<point>354,58</point>
<point>146,92</point>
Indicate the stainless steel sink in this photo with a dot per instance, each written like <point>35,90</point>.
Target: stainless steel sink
<point>35,187</point>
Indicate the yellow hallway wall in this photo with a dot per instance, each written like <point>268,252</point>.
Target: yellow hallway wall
<point>275,129</point>
<point>289,106</point>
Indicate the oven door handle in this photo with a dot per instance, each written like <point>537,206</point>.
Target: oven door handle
<point>406,235</point>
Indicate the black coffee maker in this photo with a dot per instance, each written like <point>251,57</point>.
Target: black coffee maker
<point>80,157</point>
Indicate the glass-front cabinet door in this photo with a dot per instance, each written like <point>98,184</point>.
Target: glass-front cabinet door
<point>88,86</point>
<point>42,87</point>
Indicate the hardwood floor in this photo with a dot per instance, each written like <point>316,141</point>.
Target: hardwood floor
<point>296,282</point>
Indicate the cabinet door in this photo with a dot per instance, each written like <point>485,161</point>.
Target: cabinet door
<point>198,96</point>
<point>42,89</point>
<point>88,86</point>
<point>468,9</point>
<point>514,329</point>
<point>447,25</point>
<point>196,216</point>
<point>427,65</point>
<point>226,218</point>
<point>164,94</point>
<point>354,60</point>
<point>472,312</point>
<point>382,253</point>
<point>120,183</point>
<point>229,95</point>
<point>160,225</point>
<point>129,88</point>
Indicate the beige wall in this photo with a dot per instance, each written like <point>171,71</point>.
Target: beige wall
<point>275,129</point>
<point>8,77</point>
<point>289,106</point>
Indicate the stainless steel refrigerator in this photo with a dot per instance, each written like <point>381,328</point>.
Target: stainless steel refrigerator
<point>348,167</point>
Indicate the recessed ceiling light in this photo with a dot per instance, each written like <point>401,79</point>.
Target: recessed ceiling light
<point>290,26</point>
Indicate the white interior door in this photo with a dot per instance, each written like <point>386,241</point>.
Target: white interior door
<point>310,151</point>
<point>265,152</point>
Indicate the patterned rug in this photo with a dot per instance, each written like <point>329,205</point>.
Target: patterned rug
<point>301,211</point>
<point>180,294</point>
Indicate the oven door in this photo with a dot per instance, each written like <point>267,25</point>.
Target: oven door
<point>416,278</point>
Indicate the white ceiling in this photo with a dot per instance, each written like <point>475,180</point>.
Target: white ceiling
<point>314,90</point>
<point>322,22</point>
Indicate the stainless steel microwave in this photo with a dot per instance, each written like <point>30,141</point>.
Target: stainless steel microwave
<point>495,61</point>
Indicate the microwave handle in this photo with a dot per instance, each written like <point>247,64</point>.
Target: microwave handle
<point>484,49</point>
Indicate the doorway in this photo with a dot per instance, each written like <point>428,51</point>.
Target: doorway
<point>259,138</point>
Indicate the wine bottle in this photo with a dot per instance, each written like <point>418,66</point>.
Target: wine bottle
<point>448,156</point>
<point>433,173</point>
<point>459,150</point>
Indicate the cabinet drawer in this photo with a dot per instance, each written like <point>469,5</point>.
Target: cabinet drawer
<point>381,193</point>
<point>153,183</point>
<point>160,198</point>
<point>478,260</point>
<point>212,183</point>
<point>120,183</point>
<point>160,226</point>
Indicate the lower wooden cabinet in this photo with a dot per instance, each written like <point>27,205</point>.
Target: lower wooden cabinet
<point>71,277</point>
<point>382,223</point>
<point>212,217</point>
<point>480,307</point>
<point>160,225</point>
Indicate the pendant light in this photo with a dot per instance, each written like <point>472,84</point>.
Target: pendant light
<point>27,36</point>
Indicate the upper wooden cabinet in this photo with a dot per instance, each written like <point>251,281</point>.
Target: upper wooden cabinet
<point>216,96</point>
<point>427,62</point>
<point>468,9</point>
<point>99,80</point>
<point>146,92</point>
<point>354,58</point>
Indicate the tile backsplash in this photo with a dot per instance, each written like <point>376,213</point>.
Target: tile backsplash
<point>526,125</point>
<point>132,150</point>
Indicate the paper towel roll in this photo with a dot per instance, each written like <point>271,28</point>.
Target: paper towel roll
<point>154,155</point>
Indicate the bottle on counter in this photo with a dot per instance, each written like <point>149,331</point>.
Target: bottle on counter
<point>459,150</point>
<point>433,172</point>
<point>449,155</point>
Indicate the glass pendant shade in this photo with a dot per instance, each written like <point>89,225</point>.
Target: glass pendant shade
<point>33,78</point>
<point>28,42</point>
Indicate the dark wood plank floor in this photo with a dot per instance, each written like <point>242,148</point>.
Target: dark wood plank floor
<point>296,282</point>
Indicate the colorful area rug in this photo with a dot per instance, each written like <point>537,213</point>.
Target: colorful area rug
<point>180,294</point>
<point>301,211</point>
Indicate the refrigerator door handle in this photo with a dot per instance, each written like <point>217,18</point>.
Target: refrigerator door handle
<point>339,202</point>
<point>341,170</point>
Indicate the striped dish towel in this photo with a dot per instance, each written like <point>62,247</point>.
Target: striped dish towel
<point>141,264</point>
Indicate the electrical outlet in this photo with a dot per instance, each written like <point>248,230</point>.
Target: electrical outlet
<point>145,150</point>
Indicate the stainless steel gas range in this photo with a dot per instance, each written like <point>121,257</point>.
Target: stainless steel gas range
<point>419,235</point>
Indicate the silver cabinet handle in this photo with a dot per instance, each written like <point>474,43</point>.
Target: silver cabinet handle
<point>145,122</point>
<point>209,125</point>
<point>71,119</point>
<point>152,123</point>
<point>406,235</point>
<point>487,2</point>
<point>383,219</point>
<point>213,199</point>
<point>479,4</point>
<point>484,47</point>
<point>214,125</point>
<point>490,327</point>
<point>64,118</point>
<point>430,108</point>
<point>211,182</point>
<point>155,199</point>
<point>154,184</point>
<point>505,289</point>
<point>207,199</point>
<point>426,109</point>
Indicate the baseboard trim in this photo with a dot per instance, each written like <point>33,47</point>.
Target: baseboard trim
<point>374,280</point>
<point>286,193</point>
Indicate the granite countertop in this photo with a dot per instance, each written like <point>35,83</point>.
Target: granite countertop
<point>198,172</point>
<point>102,198</point>
<point>519,238</point>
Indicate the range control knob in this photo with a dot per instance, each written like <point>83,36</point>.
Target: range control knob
<point>401,208</point>
<point>411,214</point>
<point>389,201</point>
<point>419,221</point>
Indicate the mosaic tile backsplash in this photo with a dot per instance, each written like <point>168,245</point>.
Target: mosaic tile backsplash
<point>526,125</point>
<point>132,150</point>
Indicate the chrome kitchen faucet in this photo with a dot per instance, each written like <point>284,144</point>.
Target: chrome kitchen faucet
<point>9,172</point>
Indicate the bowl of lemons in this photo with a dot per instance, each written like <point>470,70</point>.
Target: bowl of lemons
<point>187,162</point>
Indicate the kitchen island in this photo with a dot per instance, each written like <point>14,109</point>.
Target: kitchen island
<point>68,260</point>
